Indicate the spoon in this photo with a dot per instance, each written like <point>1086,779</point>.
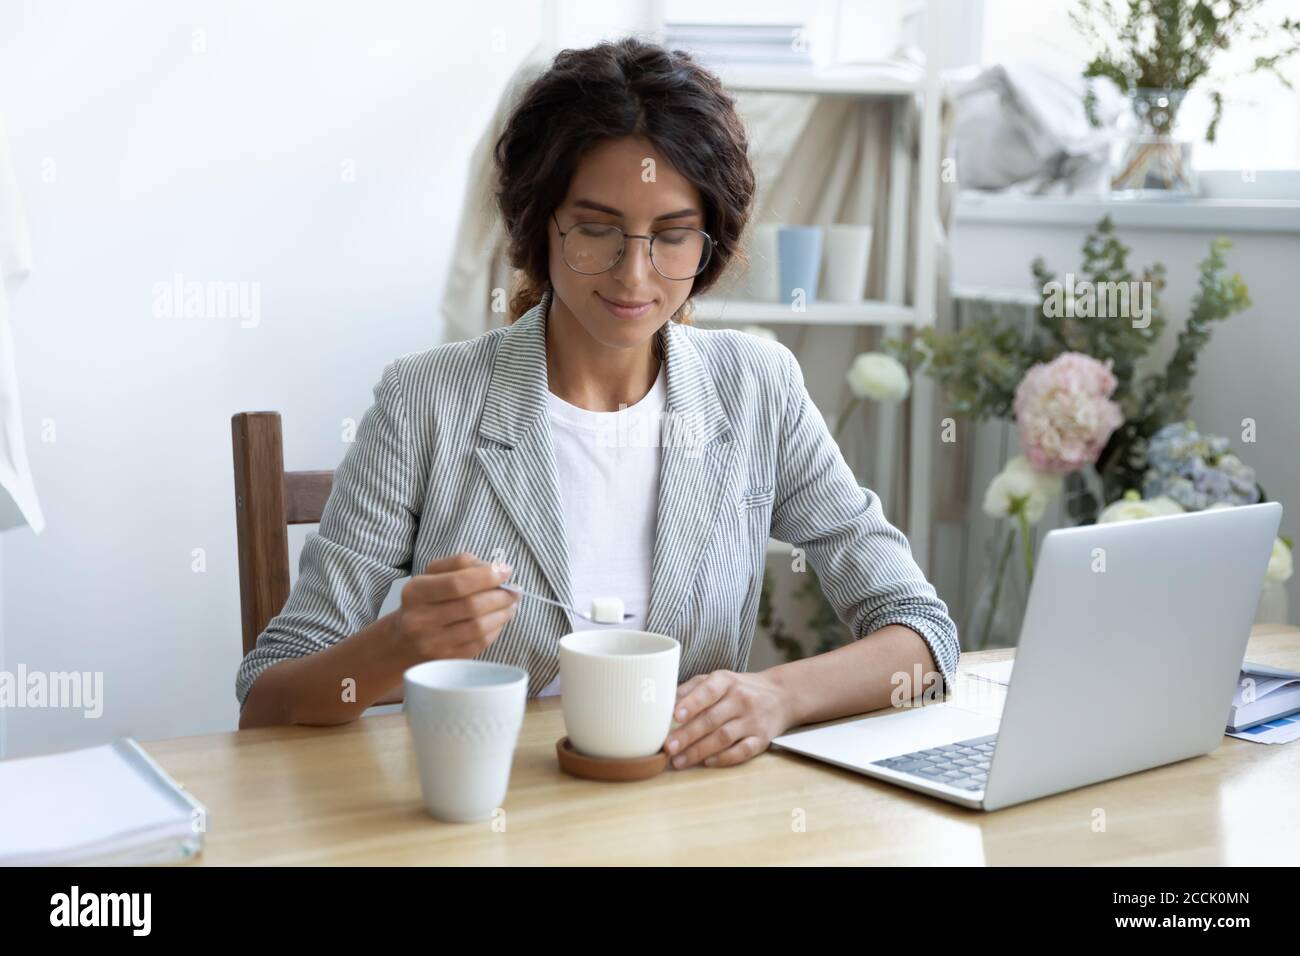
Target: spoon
<point>537,597</point>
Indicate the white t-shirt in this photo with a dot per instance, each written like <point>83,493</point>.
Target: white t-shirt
<point>607,464</point>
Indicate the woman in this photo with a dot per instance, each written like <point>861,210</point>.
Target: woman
<point>624,186</point>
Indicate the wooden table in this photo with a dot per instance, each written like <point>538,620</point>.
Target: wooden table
<point>351,795</point>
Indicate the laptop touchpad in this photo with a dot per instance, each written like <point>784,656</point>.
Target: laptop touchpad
<point>874,738</point>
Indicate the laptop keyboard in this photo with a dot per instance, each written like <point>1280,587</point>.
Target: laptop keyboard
<point>964,765</point>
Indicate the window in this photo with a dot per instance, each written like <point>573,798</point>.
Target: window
<point>1260,129</point>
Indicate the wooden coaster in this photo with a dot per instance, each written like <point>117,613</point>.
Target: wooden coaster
<point>608,768</point>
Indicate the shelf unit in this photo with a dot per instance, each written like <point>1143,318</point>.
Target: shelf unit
<point>840,80</point>
<point>892,314</point>
<point>711,310</point>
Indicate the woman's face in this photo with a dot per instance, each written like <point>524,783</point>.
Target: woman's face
<point>624,182</point>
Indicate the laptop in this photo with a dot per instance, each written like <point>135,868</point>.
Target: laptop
<point>1132,642</point>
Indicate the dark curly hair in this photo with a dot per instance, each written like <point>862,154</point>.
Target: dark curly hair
<point>624,88</point>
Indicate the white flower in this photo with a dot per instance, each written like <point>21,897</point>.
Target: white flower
<point>1018,487</point>
<point>878,376</point>
<point>758,330</point>
<point>1280,565</point>
<point>1132,508</point>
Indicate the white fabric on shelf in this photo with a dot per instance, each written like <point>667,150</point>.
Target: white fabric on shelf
<point>18,502</point>
<point>1022,129</point>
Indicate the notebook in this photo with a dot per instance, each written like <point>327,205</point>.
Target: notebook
<point>105,805</point>
<point>1263,694</point>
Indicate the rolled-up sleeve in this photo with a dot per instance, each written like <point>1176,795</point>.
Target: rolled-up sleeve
<point>363,544</point>
<point>864,563</point>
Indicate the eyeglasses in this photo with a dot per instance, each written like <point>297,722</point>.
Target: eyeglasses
<point>590,248</point>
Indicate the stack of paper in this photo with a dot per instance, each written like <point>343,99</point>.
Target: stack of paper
<point>761,44</point>
<point>103,805</point>
<point>1263,694</point>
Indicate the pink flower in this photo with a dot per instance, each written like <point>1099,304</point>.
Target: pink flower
<point>1064,413</point>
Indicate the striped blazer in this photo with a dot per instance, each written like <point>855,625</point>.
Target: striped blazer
<point>455,455</point>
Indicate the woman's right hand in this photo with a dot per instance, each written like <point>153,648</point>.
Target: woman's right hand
<point>454,609</point>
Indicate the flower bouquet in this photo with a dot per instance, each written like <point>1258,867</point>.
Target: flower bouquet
<point>1092,425</point>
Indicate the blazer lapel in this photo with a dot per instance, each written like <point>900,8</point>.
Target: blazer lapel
<point>698,457</point>
<point>518,457</point>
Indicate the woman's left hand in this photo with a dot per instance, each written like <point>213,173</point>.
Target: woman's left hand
<point>726,718</point>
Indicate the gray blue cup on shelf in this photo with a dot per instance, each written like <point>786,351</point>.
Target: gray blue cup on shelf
<point>799,258</point>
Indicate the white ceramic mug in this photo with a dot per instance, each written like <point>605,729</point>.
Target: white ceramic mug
<point>619,688</point>
<point>847,252</point>
<point>464,716</point>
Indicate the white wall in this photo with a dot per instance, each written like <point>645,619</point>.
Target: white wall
<point>139,158</point>
<point>1249,367</point>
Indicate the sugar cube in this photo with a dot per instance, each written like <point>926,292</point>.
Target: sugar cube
<point>607,610</point>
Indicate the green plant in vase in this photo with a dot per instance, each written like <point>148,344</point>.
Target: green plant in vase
<point>1107,311</point>
<point>1155,51</point>
<point>1074,384</point>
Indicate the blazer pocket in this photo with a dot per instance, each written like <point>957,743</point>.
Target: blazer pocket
<point>755,498</point>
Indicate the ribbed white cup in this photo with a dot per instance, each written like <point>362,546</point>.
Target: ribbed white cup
<point>465,717</point>
<point>618,690</point>
<point>846,253</point>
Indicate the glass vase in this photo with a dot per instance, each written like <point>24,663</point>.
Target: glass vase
<point>999,607</point>
<point>1155,161</point>
<point>1083,497</point>
<point>1273,604</point>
